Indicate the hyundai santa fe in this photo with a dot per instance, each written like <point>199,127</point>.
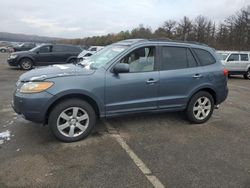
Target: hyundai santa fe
<point>127,77</point>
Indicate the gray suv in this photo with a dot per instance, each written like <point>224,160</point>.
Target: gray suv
<point>127,77</point>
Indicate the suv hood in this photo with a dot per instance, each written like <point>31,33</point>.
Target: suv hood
<point>53,71</point>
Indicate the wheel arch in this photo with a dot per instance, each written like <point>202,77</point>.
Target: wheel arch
<point>208,89</point>
<point>26,57</point>
<point>80,96</point>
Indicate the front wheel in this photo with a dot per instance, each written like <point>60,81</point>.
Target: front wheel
<point>200,107</point>
<point>26,64</point>
<point>247,75</point>
<point>72,120</point>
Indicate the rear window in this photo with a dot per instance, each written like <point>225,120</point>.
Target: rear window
<point>204,57</point>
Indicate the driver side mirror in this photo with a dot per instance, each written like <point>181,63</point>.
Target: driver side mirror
<point>37,52</point>
<point>121,68</point>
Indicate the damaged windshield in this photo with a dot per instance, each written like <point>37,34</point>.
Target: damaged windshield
<point>102,57</point>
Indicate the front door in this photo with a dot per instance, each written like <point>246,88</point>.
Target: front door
<point>233,63</point>
<point>136,90</point>
<point>44,55</point>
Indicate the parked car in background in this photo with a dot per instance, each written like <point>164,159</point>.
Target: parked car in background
<point>3,49</point>
<point>24,46</point>
<point>128,77</point>
<point>85,54</point>
<point>43,55</point>
<point>95,48</point>
<point>237,62</point>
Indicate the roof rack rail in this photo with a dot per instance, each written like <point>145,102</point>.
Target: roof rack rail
<point>179,41</point>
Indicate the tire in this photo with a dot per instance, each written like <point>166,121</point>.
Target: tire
<point>73,60</point>
<point>62,116</point>
<point>199,111</point>
<point>3,50</point>
<point>26,64</point>
<point>247,75</point>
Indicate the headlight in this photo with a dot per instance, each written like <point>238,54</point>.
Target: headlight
<point>35,87</point>
<point>12,56</point>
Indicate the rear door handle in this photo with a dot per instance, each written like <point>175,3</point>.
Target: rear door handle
<point>197,76</point>
<point>151,81</point>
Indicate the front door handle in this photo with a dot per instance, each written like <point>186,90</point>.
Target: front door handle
<point>151,81</point>
<point>197,76</point>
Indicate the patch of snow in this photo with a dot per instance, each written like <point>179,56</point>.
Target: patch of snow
<point>61,66</point>
<point>38,77</point>
<point>4,136</point>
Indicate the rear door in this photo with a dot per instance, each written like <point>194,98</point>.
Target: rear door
<point>244,62</point>
<point>59,54</point>
<point>179,75</point>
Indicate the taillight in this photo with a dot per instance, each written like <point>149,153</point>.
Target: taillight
<point>225,72</point>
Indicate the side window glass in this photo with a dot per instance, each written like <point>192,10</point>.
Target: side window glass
<point>244,57</point>
<point>57,48</point>
<point>174,58</point>
<point>45,49</point>
<point>234,57</point>
<point>93,49</point>
<point>204,57</point>
<point>87,55</point>
<point>140,60</point>
<point>190,58</point>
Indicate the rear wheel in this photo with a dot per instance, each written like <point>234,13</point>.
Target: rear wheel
<point>247,74</point>
<point>72,120</point>
<point>200,107</point>
<point>26,64</point>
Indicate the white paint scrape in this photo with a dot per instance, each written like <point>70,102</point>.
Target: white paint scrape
<point>4,136</point>
<point>61,66</point>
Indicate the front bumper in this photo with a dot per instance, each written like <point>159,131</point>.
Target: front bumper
<point>32,107</point>
<point>12,62</point>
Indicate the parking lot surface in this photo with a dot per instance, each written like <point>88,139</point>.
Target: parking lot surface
<point>177,153</point>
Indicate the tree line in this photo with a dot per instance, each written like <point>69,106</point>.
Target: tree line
<point>231,34</point>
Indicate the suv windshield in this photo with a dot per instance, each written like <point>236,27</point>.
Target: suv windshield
<point>103,56</point>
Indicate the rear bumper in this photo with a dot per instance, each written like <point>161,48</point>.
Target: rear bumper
<point>222,95</point>
<point>31,106</point>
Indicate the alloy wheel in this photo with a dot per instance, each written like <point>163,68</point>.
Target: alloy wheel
<point>73,122</point>
<point>202,108</point>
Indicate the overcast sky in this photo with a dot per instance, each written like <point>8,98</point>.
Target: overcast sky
<point>81,18</point>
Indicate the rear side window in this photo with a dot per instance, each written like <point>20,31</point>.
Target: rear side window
<point>177,58</point>
<point>204,57</point>
<point>58,48</point>
<point>244,57</point>
<point>234,57</point>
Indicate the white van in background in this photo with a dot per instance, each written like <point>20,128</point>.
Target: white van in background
<point>236,62</point>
